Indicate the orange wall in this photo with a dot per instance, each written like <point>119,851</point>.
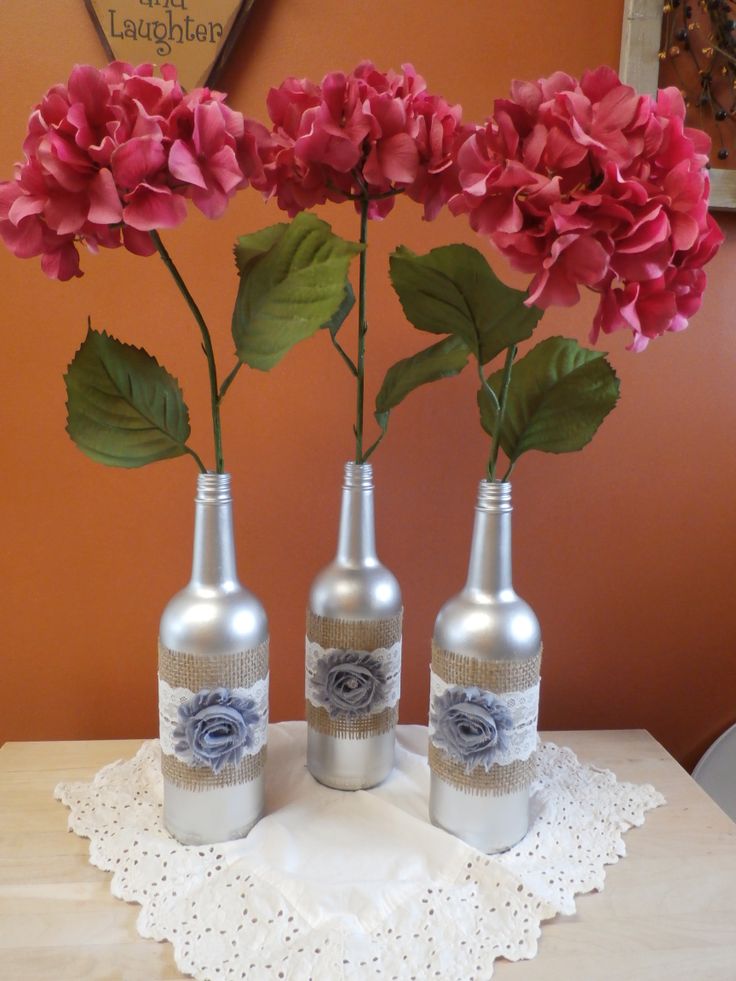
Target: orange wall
<point>625,551</point>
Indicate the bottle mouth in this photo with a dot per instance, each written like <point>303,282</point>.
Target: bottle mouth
<point>213,488</point>
<point>358,475</point>
<point>494,495</point>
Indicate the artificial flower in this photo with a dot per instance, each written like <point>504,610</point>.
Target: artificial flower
<point>589,184</point>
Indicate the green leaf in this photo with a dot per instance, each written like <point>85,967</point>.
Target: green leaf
<point>341,314</point>
<point>559,395</point>
<point>254,245</point>
<point>292,283</point>
<point>382,419</point>
<point>453,290</point>
<point>123,408</point>
<point>444,359</point>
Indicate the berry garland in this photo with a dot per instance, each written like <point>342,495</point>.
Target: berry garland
<point>698,52</point>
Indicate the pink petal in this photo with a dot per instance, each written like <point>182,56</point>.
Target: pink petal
<point>148,208</point>
<point>617,108</point>
<point>184,165</point>
<point>399,158</point>
<point>62,263</point>
<point>598,83</point>
<point>209,129</point>
<point>24,239</point>
<point>23,206</point>
<point>551,287</point>
<point>104,203</point>
<point>88,87</point>
<point>223,168</point>
<point>562,151</point>
<point>139,243</point>
<point>211,203</point>
<point>65,213</point>
<point>137,160</point>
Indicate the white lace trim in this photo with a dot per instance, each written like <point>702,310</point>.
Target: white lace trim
<point>169,700</point>
<point>305,896</point>
<point>522,740</point>
<point>390,658</point>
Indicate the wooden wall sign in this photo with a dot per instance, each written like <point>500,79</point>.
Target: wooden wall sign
<point>195,35</point>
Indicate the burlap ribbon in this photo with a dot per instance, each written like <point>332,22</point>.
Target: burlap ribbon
<point>352,635</point>
<point>498,780</point>
<point>497,677</point>
<point>196,672</point>
<point>202,778</point>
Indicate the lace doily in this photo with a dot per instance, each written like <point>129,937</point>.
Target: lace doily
<point>352,885</point>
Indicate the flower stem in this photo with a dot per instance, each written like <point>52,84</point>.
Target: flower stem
<point>488,390</point>
<point>362,329</point>
<point>344,355</point>
<point>206,343</point>
<point>373,446</point>
<point>197,459</point>
<point>228,381</point>
<point>505,382</point>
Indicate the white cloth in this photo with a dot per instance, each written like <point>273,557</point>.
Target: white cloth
<point>333,885</point>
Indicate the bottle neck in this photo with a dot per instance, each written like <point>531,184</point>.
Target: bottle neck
<point>356,543</point>
<point>213,562</point>
<point>489,569</point>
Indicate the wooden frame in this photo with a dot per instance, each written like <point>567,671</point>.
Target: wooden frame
<point>639,66</point>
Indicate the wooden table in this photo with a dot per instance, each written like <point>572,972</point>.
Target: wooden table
<point>668,911</point>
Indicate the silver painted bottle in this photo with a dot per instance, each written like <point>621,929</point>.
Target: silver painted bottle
<point>213,686</point>
<point>486,654</point>
<point>353,651</point>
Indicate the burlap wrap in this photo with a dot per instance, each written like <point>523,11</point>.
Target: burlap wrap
<point>198,671</point>
<point>202,778</point>
<point>359,728</point>
<point>352,635</point>
<point>498,780</point>
<point>195,672</point>
<point>497,677</point>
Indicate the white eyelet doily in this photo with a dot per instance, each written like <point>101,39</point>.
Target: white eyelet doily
<point>338,886</point>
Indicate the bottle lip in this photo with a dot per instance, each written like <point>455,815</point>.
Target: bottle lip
<point>494,496</point>
<point>213,488</point>
<point>358,475</point>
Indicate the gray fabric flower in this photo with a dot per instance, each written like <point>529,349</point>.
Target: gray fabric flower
<point>470,724</point>
<point>216,727</point>
<point>349,682</point>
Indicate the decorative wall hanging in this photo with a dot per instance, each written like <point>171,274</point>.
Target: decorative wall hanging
<point>690,44</point>
<point>195,35</point>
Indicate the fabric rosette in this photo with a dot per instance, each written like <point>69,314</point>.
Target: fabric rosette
<point>216,728</point>
<point>350,683</point>
<point>471,725</point>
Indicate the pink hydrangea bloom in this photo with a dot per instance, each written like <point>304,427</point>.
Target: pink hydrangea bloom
<point>365,133</point>
<point>113,155</point>
<point>590,184</point>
